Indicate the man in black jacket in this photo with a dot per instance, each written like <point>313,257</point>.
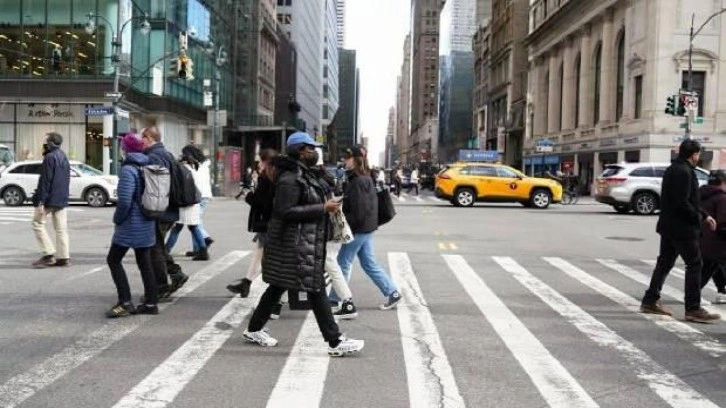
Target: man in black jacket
<point>51,197</point>
<point>679,226</point>
<point>161,260</point>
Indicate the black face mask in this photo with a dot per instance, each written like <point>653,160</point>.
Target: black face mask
<point>46,148</point>
<point>310,159</point>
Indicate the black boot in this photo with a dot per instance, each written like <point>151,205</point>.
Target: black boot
<point>208,241</point>
<point>202,255</point>
<point>243,287</point>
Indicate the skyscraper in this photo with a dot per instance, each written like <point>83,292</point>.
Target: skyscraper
<point>346,129</point>
<point>330,74</point>
<point>340,5</point>
<point>403,105</point>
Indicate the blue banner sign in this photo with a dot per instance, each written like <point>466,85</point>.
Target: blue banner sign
<point>102,111</point>
<point>478,155</point>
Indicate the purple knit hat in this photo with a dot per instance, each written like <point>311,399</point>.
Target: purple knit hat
<point>132,143</point>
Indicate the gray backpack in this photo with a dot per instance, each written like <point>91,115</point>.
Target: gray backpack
<point>155,189</point>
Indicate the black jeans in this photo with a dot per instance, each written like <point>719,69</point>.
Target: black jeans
<point>319,303</point>
<point>160,257</point>
<point>690,251</point>
<point>143,260</point>
<point>714,269</point>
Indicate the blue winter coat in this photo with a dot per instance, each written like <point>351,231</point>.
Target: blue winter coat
<point>133,229</point>
<point>55,180</point>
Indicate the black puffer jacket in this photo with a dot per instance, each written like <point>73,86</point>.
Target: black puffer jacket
<point>260,202</point>
<point>360,204</point>
<point>713,243</point>
<point>680,215</point>
<point>294,256</point>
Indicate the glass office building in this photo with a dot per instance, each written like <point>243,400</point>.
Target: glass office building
<point>52,67</point>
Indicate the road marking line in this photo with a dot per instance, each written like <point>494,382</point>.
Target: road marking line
<point>436,200</point>
<point>683,331</point>
<point>302,381</point>
<point>431,381</point>
<point>678,272</point>
<point>23,386</point>
<point>401,199</point>
<point>442,246</point>
<point>453,246</point>
<point>164,384</point>
<point>556,385</point>
<point>645,280</point>
<point>669,388</point>
<point>15,219</point>
<point>419,199</point>
<point>84,274</point>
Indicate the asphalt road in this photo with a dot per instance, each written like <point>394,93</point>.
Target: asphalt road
<point>504,306</point>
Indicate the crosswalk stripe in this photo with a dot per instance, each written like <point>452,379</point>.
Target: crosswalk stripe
<point>401,199</point>
<point>419,199</point>
<point>168,379</point>
<point>2,218</point>
<point>645,280</point>
<point>556,385</point>
<point>23,386</point>
<point>436,199</point>
<point>302,380</point>
<point>683,331</point>
<point>431,381</point>
<point>669,388</point>
<point>675,271</point>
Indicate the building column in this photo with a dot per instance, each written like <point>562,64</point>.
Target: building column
<point>585,78</point>
<point>608,74</point>
<point>553,95</point>
<point>568,84</point>
<point>540,114</point>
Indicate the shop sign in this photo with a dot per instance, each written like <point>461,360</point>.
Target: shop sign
<point>608,142</point>
<point>50,113</point>
<point>631,140</point>
<point>584,146</point>
<point>700,139</point>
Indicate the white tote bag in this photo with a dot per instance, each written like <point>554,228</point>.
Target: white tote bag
<point>341,229</point>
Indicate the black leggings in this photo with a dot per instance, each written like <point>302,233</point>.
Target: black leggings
<point>716,270</point>
<point>143,260</point>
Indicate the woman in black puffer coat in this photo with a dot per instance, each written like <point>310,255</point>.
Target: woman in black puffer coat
<point>294,256</point>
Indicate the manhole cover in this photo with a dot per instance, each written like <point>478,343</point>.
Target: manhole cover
<point>629,239</point>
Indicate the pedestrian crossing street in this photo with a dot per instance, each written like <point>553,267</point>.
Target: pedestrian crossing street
<point>472,331</point>
<point>24,214</point>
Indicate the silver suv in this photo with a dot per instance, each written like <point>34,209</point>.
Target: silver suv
<point>635,186</point>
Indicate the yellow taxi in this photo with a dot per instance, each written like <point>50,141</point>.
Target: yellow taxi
<point>466,183</point>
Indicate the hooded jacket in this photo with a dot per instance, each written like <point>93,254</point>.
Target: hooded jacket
<point>132,228</point>
<point>294,256</point>
<point>680,215</point>
<point>55,180</point>
<point>360,204</point>
<point>713,243</point>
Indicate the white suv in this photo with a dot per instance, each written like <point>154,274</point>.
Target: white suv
<point>19,181</point>
<point>635,186</point>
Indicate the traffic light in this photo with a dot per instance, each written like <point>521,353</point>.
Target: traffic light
<point>173,68</point>
<point>670,105</point>
<point>681,106</point>
<point>182,67</point>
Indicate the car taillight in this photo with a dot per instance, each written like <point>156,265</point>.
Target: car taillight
<point>444,176</point>
<point>615,180</point>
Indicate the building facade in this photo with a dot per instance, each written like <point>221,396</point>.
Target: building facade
<point>304,22</point>
<point>340,6</point>
<point>456,78</point>
<point>600,74</point>
<point>390,151</point>
<point>424,68</point>
<point>285,80</point>
<point>403,106</point>
<point>52,69</point>
<point>346,120</point>
<point>330,74</point>
<point>480,98</point>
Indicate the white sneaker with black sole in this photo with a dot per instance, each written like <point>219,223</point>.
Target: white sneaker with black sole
<point>392,301</point>
<point>346,347</point>
<point>346,311</point>
<point>260,337</point>
<point>720,299</point>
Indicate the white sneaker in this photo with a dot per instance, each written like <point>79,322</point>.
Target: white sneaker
<point>260,337</point>
<point>346,347</point>
<point>720,299</point>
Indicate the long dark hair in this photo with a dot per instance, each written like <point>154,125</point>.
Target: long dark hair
<point>266,155</point>
<point>193,156</point>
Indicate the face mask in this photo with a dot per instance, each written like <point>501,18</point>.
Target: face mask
<point>310,159</point>
<point>46,148</point>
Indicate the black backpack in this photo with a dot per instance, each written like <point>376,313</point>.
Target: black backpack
<point>184,192</point>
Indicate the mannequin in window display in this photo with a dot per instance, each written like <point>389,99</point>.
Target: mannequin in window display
<point>57,57</point>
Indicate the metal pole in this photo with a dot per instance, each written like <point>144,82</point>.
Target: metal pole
<point>116,77</point>
<point>689,88</point>
<point>215,164</point>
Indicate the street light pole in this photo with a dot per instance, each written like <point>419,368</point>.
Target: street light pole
<point>218,62</point>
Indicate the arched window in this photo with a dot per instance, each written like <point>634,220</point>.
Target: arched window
<point>578,67</point>
<point>597,73</point>
<point>620,91</point>
<point>561,95</point>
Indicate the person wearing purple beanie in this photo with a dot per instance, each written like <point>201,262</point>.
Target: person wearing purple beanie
<point>132,230</point>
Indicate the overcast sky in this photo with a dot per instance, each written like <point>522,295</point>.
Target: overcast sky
<point>376,29</point>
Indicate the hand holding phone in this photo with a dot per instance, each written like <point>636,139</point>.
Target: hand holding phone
<point>338,199</point>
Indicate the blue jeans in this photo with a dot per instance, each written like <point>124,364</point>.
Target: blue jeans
<point>202,206</point>
<point>197,237</point>
<point>362,245</point>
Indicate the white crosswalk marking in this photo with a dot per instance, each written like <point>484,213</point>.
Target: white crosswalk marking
<point>163,385</point>
<point>683,331</point>
<point>556,385</point>
<point>430,379</point>
<point>302,380</point>
<point>670,388</point>
<point>675,271</point>
<point>23,386</point>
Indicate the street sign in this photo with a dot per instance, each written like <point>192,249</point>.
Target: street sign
<point>544,149</point>
<point>100,111</point>
<point>221,118</point>
<point>113,95</point>
<point>698,120</point>
<point>122,113</point>
<point>208,101</point>
<point>478,155</point>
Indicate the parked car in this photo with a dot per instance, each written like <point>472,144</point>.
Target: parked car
<point>635,186</point>
<point>463,184</point>
<point>19,181</point>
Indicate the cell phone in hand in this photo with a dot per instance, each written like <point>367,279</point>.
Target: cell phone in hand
<point>338,199</point>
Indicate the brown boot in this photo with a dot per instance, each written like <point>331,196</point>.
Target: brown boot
<point>62,263</point>
<point>702,316</point>
<point>655,308</point>
<point>44,262</point>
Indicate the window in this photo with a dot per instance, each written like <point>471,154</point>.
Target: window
<point>484,171</point>
<point>325,91</point>
<point>504,172</point>
<point>597,72</point>
<point>620,90</point>
<point>660,171</point>
<point>86,170</point>
<point>31,169</point>
<point>643,172</point>
<point>578,68</point>
<point>638,100</point>
<point>326,112</point>
<point>325,72</point>
<point>561,92</point>
<point>699,86</point>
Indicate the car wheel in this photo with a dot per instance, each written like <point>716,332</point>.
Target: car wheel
<point>13,196</point>
<point>541,199</point>
<point>96,197</point>
<point>622,209</point>
<point>464,197</point>
<point>645,203</point>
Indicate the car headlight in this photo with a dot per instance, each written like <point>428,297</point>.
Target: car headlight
<point>111,180</point>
